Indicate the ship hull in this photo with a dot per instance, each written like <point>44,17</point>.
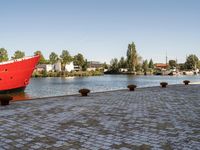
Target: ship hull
<point>16,90</point>
<point>15,74</point>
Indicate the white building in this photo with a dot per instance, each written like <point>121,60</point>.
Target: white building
<point>94,65</point>
<point>77,68</point>
<point>45,67</point>
<point>57,66</point>
<point>49,67</point>
<point>123,69</point>
<point>91,69</point>
<point>69,67</point>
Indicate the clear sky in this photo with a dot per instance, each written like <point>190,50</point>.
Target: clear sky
<point>102,29</point>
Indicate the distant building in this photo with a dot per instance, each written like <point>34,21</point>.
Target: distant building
<point>161,66</point>
<point>69,67</point>
<point>44,67</point>
<point>77,68</point>
<point>49,67</point>
<point>57,66</point>
<point>40,67</point>
<point>93,65</point>
<point>91,69</point>
<point>123,69</point>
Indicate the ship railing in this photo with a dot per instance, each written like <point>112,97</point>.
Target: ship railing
<point>12,61</point>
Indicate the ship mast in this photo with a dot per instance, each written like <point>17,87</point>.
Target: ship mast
<point>166,58</point>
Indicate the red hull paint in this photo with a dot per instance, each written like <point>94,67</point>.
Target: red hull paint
<point>15,74</point>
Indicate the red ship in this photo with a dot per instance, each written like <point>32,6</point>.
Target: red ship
<point>15,74</point>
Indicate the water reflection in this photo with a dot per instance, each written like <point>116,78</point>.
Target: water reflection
<point>20,96</point>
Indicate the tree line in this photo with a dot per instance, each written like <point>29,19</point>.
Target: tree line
<point>134,63</point>
<point>64,58</point>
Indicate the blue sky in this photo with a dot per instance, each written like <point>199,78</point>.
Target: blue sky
<point>102,29</point>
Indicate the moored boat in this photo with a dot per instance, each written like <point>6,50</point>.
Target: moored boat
<point>15,74</point>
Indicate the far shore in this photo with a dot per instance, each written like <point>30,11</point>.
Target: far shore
<point>67,74</point>
<point>94,73</point>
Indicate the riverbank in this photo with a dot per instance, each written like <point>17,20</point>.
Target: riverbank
<point>67,74</point>
<point>148,118</point>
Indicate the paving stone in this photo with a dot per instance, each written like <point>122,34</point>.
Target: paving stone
<point>123,119</point>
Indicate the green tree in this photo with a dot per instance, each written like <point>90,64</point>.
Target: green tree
<point>138,67</point>
<point>53,58</point>
<point>192,62</point>
<point>151,65</point>
<point>105,66</point>
<point>145,66</point>
<point>181,66</point>
<point>133,58</point>
<point>114,65</point>
<point>122,63</point>
<point>66,58</point>
<point>3,55</point>
<point>85,65</point>
<point>198,65</point>
<point>42,59</point>
<point>18,54</point>
<point>79,60</point>
<point>172,63</point>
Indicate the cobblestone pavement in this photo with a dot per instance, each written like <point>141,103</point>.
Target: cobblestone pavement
<point>148,118</point>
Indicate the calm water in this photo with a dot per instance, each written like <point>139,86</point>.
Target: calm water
<point>45,87</point>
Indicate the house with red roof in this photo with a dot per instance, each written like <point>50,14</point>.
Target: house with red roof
<point>161,66</point>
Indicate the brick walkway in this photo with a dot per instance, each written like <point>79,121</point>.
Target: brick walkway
<point>149,118</point>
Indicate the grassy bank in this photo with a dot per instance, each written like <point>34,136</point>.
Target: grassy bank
<point>67,74</point>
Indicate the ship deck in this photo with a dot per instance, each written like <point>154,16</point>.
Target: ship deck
<point>16,60</point>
